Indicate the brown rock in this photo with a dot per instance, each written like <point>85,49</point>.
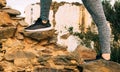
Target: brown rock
<point>19,54</point>
<point>2,3</point>
<point>19,36</point>
<point>18,18</point>
<point>86,53</point>
<point>82,53</point>
<point>11,12</point>
<point>40,35</point>
<point>65,36</point>
<point>18,33</point>
<point>22,62</point>
<point>14,49</point>
<point>7,32</point>
<point>1,56</point>
<point>64,60</point>
<point>12,44</point>
<point>48,69</point>
<point>1,68</point>
<point>23,23</point>
<point>8,66</point>
<point>6,20</point>
<point>101,66</point>
<point>43,60</point>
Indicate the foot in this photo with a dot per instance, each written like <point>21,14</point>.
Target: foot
<point>39,26</point>
<point>106,56</point>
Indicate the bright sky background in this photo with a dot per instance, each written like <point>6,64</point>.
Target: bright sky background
<point>21,4</point>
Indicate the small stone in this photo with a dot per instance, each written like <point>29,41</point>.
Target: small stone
<point>23,23</point>
<point>22,62</point>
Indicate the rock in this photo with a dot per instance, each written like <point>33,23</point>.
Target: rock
<point>85,53</point>
<point>6,20</point>
<point>82,53</point>
<point>59,52</point>
<point>52,65</point>
<point>1,68</point>
<point>34,61</point>
<point>12,44</point>
<point>70,68</point>
<point>65,36</point>
<point>8,66</point>
<point>19,36</point>
<point>31,52</point>
<point>64,60</point>
<point>40,35</point>
<point>2,3</point>
<point>19,54</point>
<point>18,33</point>
<point>7,32</point>
<point>43,60</point>
<point>11,12</point>
<point>46,69</point>
<point>1,56</point>
<point>29,41</point>
<point>14,49</point>
<point>17,18</point>
<point>22,62</point>
<point>101,66</point>
<point>23,23</point>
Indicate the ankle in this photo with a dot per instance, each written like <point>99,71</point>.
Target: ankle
<point>44,21</point>
<point>106,56</point>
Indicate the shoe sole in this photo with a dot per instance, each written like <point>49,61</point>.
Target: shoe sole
<point>36,30</point>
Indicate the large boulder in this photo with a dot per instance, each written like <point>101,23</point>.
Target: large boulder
<point>40,35</point>
<point>100,66</point>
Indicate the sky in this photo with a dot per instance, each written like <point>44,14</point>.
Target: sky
<point>21,4</point>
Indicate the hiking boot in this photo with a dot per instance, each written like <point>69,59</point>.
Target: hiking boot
<point>39,26</point>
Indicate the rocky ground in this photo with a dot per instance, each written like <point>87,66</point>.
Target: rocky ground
<point>22,51</point>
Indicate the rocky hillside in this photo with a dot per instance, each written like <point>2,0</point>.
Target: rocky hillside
<point>22,51</point>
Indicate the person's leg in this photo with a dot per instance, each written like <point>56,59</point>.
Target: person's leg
<point>95,8</point>
<point>42,23</point>
<point>45,7</point>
